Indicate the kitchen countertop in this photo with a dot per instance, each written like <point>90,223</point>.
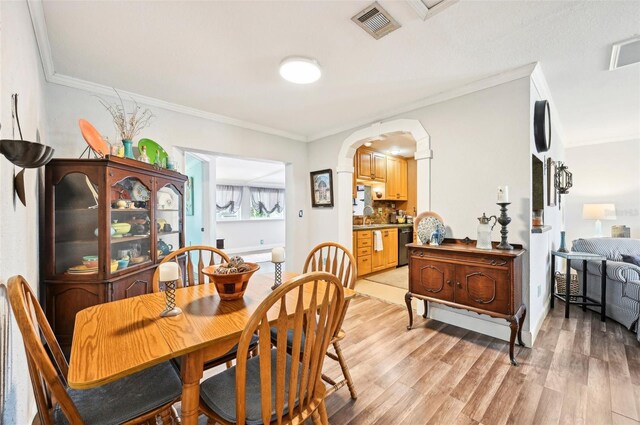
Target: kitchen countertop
<point>380,226</point>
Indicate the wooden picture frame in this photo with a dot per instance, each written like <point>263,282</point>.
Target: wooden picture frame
<point>188,196</point>
<point>322,188</point>
<point>552,193</point>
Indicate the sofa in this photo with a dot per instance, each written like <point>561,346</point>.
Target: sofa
<point>623,279</point>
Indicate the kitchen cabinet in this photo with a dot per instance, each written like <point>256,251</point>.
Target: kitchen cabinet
<point>371,165</point>
<point>396,186</point>
<point>125,214</point>
<point>369,260</point>
<point>459,275</point>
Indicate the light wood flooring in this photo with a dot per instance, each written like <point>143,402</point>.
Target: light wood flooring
<point>581,371</point>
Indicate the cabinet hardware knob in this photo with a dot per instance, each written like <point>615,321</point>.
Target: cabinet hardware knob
<point>459,284</point>
<point>449,282</point>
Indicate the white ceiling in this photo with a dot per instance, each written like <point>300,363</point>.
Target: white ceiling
<point>403,143</point>
<point>223,56</point>
<point>247,172</point>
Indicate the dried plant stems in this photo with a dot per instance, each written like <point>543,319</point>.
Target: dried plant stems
<point>128,124</point>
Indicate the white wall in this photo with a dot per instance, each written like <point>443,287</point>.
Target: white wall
<point>21,72</point>
<point>480,141</point>
<point>538,292</point>
<point>604,173</point>
<point>175,131</point>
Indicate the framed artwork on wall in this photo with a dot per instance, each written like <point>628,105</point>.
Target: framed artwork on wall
<point>188,196</point>
<point>322,189</point>
<point>552,193</point>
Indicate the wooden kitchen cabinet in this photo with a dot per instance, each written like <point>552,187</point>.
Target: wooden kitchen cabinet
<point>396,186</point>
<point>371,165</point>
<point>459,275</point>
<point>371,260</point>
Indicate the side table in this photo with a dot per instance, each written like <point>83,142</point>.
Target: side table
<point>586,301</point>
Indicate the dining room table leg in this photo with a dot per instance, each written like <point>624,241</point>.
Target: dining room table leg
<point>192,370</point>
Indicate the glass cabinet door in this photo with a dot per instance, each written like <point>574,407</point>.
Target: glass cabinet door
<point>76,226</point>
<point>130,240</point>
<point>168,220</point>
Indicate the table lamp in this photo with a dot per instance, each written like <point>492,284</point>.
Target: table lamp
<point>598,212</point>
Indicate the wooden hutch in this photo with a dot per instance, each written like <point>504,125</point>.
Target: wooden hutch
<point>86,201</point>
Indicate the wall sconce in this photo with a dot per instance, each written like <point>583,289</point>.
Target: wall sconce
<point>378,193</point>
<point>563,180</point>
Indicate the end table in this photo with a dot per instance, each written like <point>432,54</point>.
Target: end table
<point>586,301</point>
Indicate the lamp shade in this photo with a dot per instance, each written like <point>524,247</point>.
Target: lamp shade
<point>599,211</point>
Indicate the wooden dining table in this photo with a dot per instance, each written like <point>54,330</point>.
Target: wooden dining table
<point>116,339</point>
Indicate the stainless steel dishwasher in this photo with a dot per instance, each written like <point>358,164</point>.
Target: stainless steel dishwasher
<point>405,236</point>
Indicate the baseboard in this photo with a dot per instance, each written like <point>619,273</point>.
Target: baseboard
<point>533,335</point>
<point>252,249</point>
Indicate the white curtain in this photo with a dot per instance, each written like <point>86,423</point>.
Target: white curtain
<point>266,200</point>
<point>228,198</point>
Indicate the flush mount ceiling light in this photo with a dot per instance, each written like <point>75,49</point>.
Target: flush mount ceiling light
<point>367,144</point>
<point>300,70</point>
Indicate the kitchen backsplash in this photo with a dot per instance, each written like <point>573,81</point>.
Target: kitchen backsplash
<point>378,218</point>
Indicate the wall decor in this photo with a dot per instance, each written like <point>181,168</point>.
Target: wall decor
<point>563,180</point>
<point>322,189</point>
<point>188,196</point>
<point>552,194</point>
<point>542,126</point>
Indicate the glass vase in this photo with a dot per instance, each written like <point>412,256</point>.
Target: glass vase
<point>128,148</point>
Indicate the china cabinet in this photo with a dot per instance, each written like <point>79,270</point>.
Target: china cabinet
<point>108,223</point>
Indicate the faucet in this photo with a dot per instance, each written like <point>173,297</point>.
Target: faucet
<point>364,213</point>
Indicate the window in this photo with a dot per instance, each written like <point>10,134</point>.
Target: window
<point>266,202</point>
<point>228,202</point>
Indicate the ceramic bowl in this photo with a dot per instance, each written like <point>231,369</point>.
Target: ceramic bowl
<point>114,266</point>
<point>231,286</point>
<point>121,228</point>
<point>123,263</point>
<point>90,264</point>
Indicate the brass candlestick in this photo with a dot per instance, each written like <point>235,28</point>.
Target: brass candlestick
<point>504,221</point>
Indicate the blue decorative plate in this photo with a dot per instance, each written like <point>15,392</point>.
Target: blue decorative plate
<point>427,227</point>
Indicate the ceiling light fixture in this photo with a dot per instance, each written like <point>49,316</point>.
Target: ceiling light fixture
<point>395,152</point>
<point>367,144</point>
<point>300,70</point>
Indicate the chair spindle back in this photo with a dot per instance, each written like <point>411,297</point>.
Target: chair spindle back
<point>193,269</point>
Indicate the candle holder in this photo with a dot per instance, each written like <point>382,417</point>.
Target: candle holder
<point>170,298</point>
<point>278,274</point>
<point>504,221</point>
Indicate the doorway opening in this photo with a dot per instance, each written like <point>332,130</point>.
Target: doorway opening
<point>385,189</point>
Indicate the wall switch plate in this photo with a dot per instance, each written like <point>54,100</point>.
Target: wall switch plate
<point>261,241</point>
<point>300,213</point>
<point>539,290</point>
<point>379,210</point>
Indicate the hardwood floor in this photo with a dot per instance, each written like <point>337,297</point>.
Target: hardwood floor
<point>581,371</point>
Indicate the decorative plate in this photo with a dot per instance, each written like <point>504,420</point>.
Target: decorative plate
<point>139,192</point>
<point>154,151</point>
<point>165,200</point>
<point>94,138</point>
<point>427,227</point>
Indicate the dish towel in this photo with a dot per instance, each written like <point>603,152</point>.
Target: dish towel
<point>377,240</point>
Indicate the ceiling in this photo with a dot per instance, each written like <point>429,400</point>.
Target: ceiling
<point>248,172</point>
<point>222,57</point>
<point>403,143</point>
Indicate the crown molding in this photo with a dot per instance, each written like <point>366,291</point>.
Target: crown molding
<point>478,85</point>
<point>36,12</point>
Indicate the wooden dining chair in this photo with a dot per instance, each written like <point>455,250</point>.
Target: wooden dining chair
<point>190,275</point>
<point>334,258</point>
<point>135,399</point>
<point>207,256</point>
<point>281,385</point>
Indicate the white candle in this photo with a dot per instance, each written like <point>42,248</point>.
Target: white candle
<point>503,194</point>
<point>277,255</point>
<point>169,271</point>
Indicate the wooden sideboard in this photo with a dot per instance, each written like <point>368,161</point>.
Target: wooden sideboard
<point>459,275</point>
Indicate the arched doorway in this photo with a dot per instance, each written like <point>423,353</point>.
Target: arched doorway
<point>345,168</point>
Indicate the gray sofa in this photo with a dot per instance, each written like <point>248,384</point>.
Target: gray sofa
<point>623,279</point>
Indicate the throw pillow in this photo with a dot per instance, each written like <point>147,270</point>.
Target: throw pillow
<point>631,259</point>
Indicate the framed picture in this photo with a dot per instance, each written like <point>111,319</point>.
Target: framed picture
<point>322,189</point>
<point>188,196</point>
<point>552,193</point>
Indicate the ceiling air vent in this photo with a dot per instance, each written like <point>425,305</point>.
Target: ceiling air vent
<point>376,21</point>
<point>625,53</point>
